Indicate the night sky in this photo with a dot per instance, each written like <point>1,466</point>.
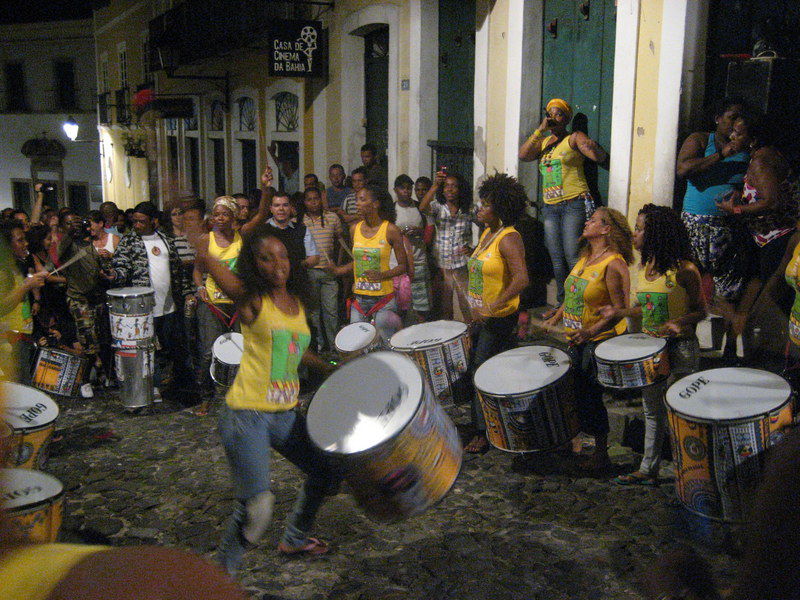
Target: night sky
<point>30,11</point>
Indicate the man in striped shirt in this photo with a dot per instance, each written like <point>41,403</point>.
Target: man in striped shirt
<point>326,228</point>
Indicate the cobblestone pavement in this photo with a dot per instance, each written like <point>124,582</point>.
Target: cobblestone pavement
<point>512,527</point>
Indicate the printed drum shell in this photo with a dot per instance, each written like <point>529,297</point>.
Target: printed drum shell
<point>58,372</point>
<point>33,502</point>
<point>130,314</point>
<point>441,349</point>
<point>399,450</point>
<point>527,399</point>
<point>31,415</point>
<point>632,360</point>
<point>357,339</point>
<point>226,356</point>
<point>722,422</point>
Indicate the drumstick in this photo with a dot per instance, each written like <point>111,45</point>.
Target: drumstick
<point>349,252</point>
<point>541,324</point>
<point>78,255</point>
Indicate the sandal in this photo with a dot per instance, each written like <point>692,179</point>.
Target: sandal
<point>314,547</point>
<point>477,445</point>
<point>635,478</point>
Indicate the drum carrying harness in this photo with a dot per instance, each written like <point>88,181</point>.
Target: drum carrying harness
<point>353,303</point>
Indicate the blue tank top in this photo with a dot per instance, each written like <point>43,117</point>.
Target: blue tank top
<point>704,189</point>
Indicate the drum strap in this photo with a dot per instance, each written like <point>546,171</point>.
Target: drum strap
<point>353,303</point>
<point>229,322</point>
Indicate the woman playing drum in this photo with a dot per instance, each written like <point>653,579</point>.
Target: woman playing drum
<point>215,315</point>
<point>374,238</point>
<point>599,278</point>
<point>497,274</point>
<point>669,302</point>
<point>259,411</point>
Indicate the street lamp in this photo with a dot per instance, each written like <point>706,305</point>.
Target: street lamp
<point>71,128</point>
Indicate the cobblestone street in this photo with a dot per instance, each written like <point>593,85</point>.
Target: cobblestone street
<point>512,527</point>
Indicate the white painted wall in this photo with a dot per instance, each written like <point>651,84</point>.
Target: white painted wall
<point>38,46</point>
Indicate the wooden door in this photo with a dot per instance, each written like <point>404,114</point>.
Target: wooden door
<point>578,66</point>
<point>376,88</point>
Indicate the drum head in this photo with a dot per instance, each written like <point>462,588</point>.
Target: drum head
<point>522,370</point>
<point>129,292</point>
<point>424,335</point>
<point>355,337</point>
<point>364,403</point>
<point>24,487</point>
<point>26,407</point>
<point>728,394</point>
<point>628,347</point>
<point>228,348</point>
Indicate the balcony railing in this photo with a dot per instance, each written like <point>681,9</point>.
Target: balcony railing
<point>122,106</point>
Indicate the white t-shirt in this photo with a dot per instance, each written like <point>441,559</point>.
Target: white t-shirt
<point>158,262</point>
<point>409,216</point>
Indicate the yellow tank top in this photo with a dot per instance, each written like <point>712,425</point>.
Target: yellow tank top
<point>228,256</point>
<point>371,254</point>
<point>489,275</point>
<point>661,300</point>
<point>273,345</point>
<point>585,291</point>
<point>562,173</point>
<point>33,572</point>
<point>792,275</point>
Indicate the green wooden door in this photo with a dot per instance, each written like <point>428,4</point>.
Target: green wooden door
<point>578,66</point>
<point>376,88</point>
<point>456,70</point>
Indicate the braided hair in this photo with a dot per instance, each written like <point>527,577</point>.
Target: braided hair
<point>666,241</point>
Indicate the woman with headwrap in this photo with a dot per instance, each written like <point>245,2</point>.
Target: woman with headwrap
<point>215,311</point>
<point>565,193</point>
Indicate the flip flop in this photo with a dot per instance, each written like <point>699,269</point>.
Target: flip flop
<point>477,445</point>
<point>631,479</point>
<point>314,547</point>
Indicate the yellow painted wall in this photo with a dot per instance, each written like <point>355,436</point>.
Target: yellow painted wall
<point>645,112</point>
<point>496,100</point>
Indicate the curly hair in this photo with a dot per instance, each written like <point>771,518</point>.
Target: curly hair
<point>507,196</point>
<point>385,202</point>
<point>255,284</point>
<point>464,199</point>
<point>620,238</point>
<point>665,241</point>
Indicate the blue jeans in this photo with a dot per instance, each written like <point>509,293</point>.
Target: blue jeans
<point>325,317</point>
<point>247,436</point>
<point>490,338</point>
<point>563,225</point>
<point>387,321</point>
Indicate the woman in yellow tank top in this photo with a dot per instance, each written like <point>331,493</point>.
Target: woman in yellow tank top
<point>374,238</point>
<point>567,199</point>
<point>259,411</point>
<point>497,275</point>
<point>669,303</point>
<point>215,312</point>
<point>599,278</point>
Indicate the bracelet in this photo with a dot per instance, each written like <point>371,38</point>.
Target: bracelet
<point>537,134</point>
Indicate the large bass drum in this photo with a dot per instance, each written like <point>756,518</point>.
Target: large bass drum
<point>32,415</point>
<point>722,422</point>
<point>130,314</point>
<point>377,418</point>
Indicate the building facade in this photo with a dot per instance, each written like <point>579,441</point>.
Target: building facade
<point>48,76</point>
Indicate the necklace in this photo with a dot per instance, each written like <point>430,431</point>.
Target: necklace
<point>592,259</point>
<point>487,242</point>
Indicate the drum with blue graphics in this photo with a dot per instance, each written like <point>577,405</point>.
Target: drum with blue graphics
<point>722,422</point>
<point>632,360</point>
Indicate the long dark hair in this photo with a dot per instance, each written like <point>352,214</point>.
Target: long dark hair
<point>666,241</point>
<point>255,284</point>
<point>385,201</point>
<point>464,199</point>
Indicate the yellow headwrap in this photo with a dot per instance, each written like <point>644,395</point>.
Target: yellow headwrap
<point>562,104</point>
<point>228,202</point>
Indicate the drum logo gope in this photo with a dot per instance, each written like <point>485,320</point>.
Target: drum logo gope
<point>425,342</point>
<point>21,493</point>
<point>548,359</point>
<point>34,411</point>
<point>693,387</point>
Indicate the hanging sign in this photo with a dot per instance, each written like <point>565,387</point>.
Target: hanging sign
<point>298,49</point>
